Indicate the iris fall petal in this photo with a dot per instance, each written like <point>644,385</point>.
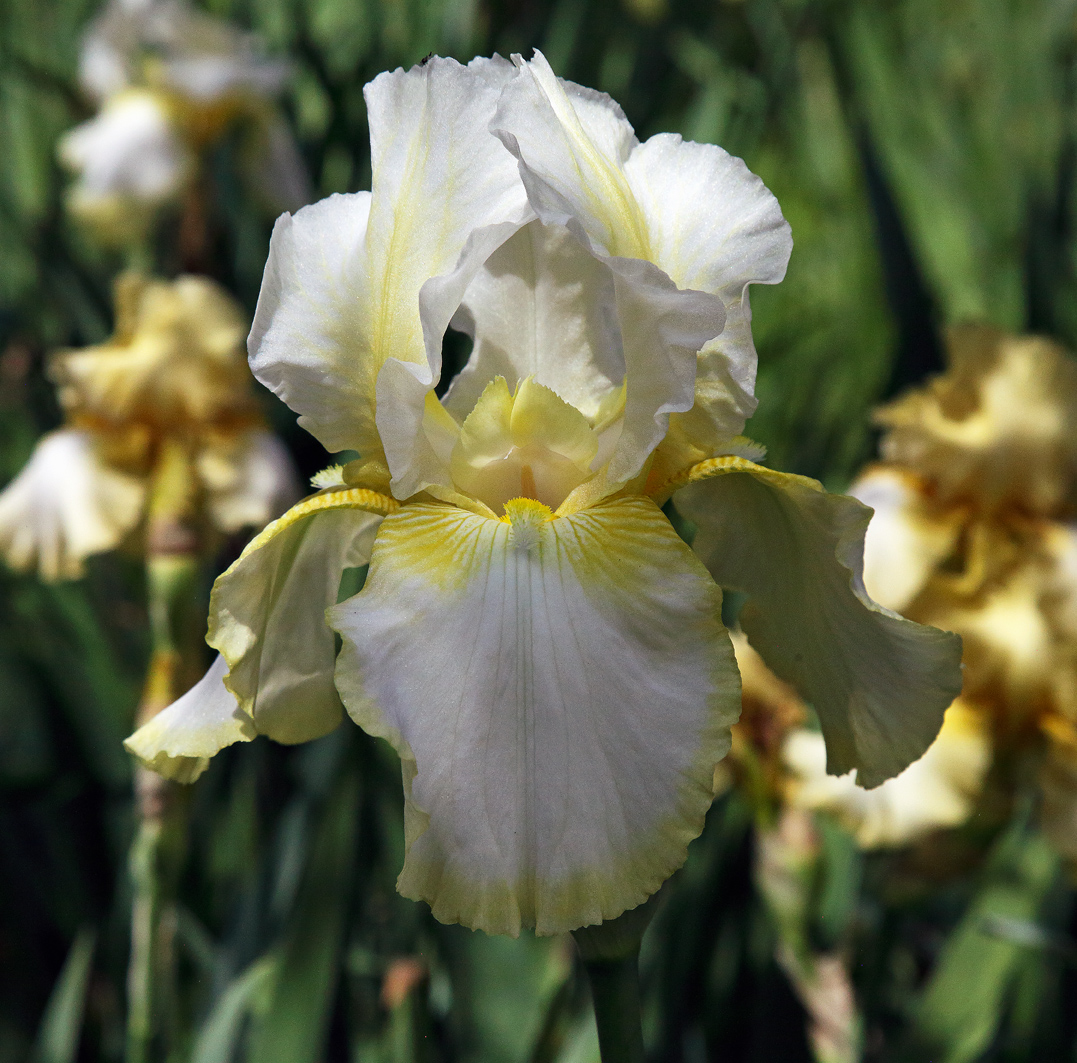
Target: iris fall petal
<point>178,742</point>
<point>879,683</point>
<point>559,691</point>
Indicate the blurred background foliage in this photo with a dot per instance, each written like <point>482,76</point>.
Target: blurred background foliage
<point>924,154</point>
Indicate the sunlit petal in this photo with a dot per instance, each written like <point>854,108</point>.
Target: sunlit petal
<point>559,691</point>
<point>346,293</point>
<point>693,210</point>
<point>178,742</point>
<point>267,613</point>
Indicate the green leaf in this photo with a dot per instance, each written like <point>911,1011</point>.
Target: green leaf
<point>219,1037</point>
<point>293,1022</point>
<point>964,1003</point>
<point>58,1035</point>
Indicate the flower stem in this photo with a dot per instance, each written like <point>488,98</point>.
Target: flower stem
<point>615,992</point>
<point>610,955</point>
<point>173,569</point>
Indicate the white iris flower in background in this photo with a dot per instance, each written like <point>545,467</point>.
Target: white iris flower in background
<point>543,651</point>
<point>171,80</point>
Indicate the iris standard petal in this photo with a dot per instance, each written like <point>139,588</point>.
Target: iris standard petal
<point>344,296</point>
<point>309,341</point>
<point>65,505</point>
<point>541,306</point>
<point>178,742</point>
<point>879,683</point>
<point>267,612</point>
<point>559,691</point>
<point>693,210</point>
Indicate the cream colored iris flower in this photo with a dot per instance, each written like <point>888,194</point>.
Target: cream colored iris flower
<point>172,378</point>
<point>973,531</point>
<point>170,80</point>
<point>542,650</point>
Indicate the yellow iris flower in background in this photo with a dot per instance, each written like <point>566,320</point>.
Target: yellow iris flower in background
<point>973,531</point>
<point>172,378</point>
<point>540,647</point>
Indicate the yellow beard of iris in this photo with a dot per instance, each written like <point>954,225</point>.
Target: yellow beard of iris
<point>530,445</point>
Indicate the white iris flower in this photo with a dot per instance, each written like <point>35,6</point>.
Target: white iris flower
<point>171,80</point>
<point>534,639</point>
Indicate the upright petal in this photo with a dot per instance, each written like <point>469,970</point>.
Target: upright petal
<point>541,306</point>
<point>359,285</point>
<point>559,691</point>
<point>65,505</point>
<point>693,210</point>
<point>178,742</point>
<point>267,613</point>
<point>544,305</point>
<point>880,684</point>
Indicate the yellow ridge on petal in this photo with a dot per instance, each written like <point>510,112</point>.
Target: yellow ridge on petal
<point>705,470</point>
<point>346,498</point>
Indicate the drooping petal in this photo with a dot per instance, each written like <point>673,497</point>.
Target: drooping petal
<point>65,505</point>
<point>880,684</point>
<point>559,691</point>
<point>357,285</point>
<point>178,742</point>
<point>267,612</point>
<point>249,479</point>
<point>938,790</point>
<point>906,539</point>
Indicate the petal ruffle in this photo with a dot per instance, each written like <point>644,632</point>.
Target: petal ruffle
<point>541,306</point>
<point>693,210</point>
<point>65,505</point>
<point>559,691</point>
<point>879,683</point>
<point>544,305</point>
<point>267,613</point>
<point>357,285</point>
<point>178,742</point>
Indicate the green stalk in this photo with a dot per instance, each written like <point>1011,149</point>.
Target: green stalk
<point>159,846</point>
<point>610,955</point>
<point>615,992</point>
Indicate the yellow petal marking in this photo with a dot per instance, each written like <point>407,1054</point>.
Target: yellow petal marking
<point>347,498</point>
<point>705,470</point>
